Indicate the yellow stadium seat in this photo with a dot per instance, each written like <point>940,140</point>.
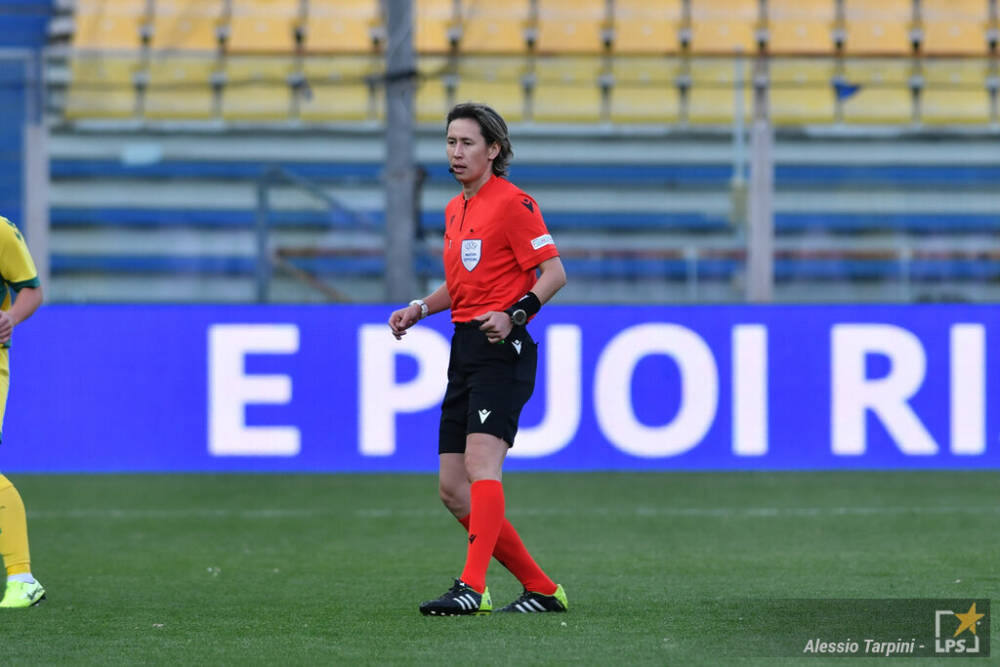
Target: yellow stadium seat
<point>801,91</point>
<point>188,25</point>
<point>645,90</point>
<point>571,26</point>
<point>723,26</point>
<point>955,92</point>
<point>257,88</point>
<point>954,26</point>
<point>108,24</point>
<point>494,27</point>
<point>180,87</point>
<point>433,19</point>
<point>800,26</point>
<point>884,96</point>
<point>102,87</point>
<point>432,103</point>
<point>567,90</point>
<point>713,95</point>
<point>341,90</point>
<point>877,71</point>
<point>878,27</point>
<point>646,27</point>
<point>494,80</point>
<point>343,26</point>
<point>262,26</point>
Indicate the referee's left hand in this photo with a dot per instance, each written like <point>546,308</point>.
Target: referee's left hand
<point>496,325</point>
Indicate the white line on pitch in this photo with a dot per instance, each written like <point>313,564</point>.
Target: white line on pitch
<point>645,511</point>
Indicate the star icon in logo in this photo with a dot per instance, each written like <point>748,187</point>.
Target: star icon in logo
<point>968,620</point>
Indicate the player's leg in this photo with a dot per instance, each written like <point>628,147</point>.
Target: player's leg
<point>483,461</point>
<point>454,489</point>
<point>22,590</point>
<point>540,592</point>
<point>453,481</point>
<point>484,456</point>
<point>453,485</point>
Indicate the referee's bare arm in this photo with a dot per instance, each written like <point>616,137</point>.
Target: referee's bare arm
<point>404,318</point>
<point>551,278</point>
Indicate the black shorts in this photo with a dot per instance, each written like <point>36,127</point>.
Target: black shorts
<point>488,384</point>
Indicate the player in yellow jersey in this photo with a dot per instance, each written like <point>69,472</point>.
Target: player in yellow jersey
<point>17,274</point>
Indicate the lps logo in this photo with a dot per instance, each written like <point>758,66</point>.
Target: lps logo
<point>957,641</point>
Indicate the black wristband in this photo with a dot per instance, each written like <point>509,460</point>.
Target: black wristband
<point>530,303</point>
<point>526,306</point>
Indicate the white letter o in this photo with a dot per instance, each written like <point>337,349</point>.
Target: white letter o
<point>613,390</point>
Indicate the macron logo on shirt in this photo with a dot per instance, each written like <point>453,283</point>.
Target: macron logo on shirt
<point>541,241</point>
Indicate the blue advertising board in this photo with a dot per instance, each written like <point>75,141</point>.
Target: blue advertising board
<point>328,389</point>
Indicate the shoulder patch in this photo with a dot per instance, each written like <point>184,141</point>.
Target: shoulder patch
<point>528,204</point>
<point>541,241</point>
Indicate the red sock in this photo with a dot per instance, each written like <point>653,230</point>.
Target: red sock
<point>513,555</point>
<point>485,520</point>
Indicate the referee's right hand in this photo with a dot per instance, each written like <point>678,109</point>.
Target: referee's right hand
<point>403,319</point>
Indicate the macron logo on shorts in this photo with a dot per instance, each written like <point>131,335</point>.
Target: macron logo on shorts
<point>541,241</point>
<point>483,414</point>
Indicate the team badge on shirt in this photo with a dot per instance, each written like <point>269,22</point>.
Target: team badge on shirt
<point>542,241</point>
<point>472,252</point>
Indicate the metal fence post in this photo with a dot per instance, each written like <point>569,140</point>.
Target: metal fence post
<point>760,240</point>
<point>400,222</point>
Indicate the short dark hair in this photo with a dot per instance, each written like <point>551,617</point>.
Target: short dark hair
<point>493,127</point>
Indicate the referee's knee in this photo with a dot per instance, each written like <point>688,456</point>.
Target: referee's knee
<point>455,499</point>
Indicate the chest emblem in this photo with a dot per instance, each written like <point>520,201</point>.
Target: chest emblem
<point>472,252</point>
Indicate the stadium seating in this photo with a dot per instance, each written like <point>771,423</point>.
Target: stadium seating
<point>257,88</point>
<point>646,27</point>
<point>263,26</point>
<point>884,95</point>
<point>492,58</point>
<point>723,26</point>
<point>180,88</point>
<point>955,92</point>
<point>954,27</point>
<point>713,93</point>
<point>434,20</point>
<point>344,26</point>
<point>186,25</point>
<point>800,26</point>
<point>432,100</point>
<point>644,90</point>
<point>340,89</point>
<point>881,27</point>
<point>494,27</point>
<point>571,26</point>
<point>567,90</point>
<point>102,86</point>
<point>104,25</point>
<point>801,92</point>
<point>498,80</point>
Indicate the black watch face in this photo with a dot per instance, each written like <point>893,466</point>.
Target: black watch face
<point>519,317</point>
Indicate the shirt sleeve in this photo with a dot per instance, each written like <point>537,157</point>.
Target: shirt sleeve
<point>527,234</point>
<point>16,266</point>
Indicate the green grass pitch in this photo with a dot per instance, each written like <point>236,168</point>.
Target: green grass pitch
<point>329,569</point>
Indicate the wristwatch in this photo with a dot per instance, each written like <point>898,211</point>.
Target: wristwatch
<point>518,316</point>
<point>422,305</point>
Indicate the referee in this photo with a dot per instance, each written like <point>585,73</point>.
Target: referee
<point>501,265</point>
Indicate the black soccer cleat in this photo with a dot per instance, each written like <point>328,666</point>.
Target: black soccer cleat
<point>461,600</point>
<point>530,602</point>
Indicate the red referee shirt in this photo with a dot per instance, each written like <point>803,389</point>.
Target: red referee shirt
<point>492,244</point>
